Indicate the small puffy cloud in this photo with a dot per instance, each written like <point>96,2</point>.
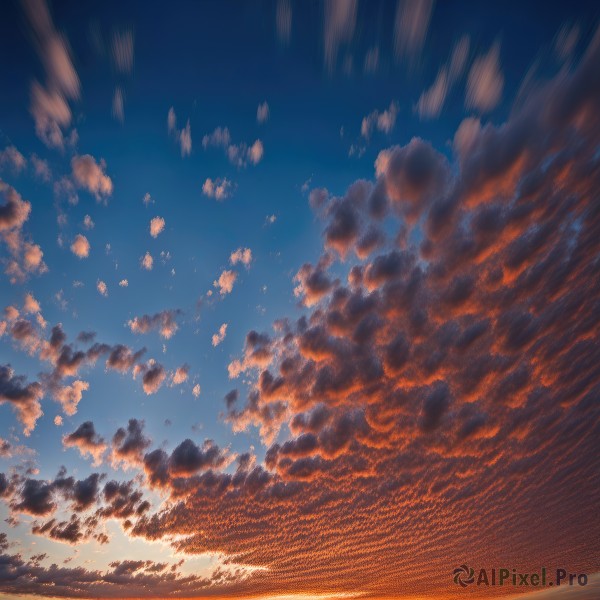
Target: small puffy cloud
<point>196,390</point>
<point>58,420</point>
<point>147,199</point>
<point>69,396</point>
<point>90,175</point>
<point>153,376</point>
<point>183,136</point>
<point>181,374</point>
<point>12,158</point>
<point>218,337</point>
<point>220,189</point>
<point>41,168</point>
<point>270,219</point>
<point>22,396</point>
<point>102,288</point>
<point>123,283</point>
<point>147,261</point>
<point>31,305</point>
<point>80,246</point>
<point>87,222</point>
<point>157,225</point>
<point>262,112</point>
<point>118,105</point>
<point>86,440</point>
<point>122,51</point>
<point>486,81</point>
<point>256,152</point>
<point>383,121</point>
<point>164,322</point>
<point>241,255</point>
<point>225,282</point>
<point>185,139</point>
<point>220,137</point>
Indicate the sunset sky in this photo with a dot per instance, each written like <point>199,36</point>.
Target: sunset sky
<point>298,299</point>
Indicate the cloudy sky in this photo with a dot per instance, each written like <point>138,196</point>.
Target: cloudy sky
<point>298,298</point>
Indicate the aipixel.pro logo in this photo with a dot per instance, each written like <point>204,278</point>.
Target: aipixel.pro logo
<point>465,576</point>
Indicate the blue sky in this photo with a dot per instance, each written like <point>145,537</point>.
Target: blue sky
<point>106,113</point>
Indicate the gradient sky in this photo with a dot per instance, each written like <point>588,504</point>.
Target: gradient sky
<point>298,298</point>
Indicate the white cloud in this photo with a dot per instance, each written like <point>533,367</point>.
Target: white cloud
<point>157,226</point>
<point>102,288</point>
<point>262,112</point>
<point>225,282</point>
<point>118,106</point>
<point>382,121</point>
<point>218,337</point>
<point>486,82</point>
<point>220,189</point>
<point>123,283</point>
<point>89,174</point>
<point>80,246</point>
<point>12,158</point>
<point>87,222</point>
<point>147,261</point>
<point>241,255</point>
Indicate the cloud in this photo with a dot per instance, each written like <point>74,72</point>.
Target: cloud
<point>102,287</point>
<point>87,222</point>
<point>220,189</point>
<point>339,22</point>
<point>123,283</point>
<point>31,305</point>
<point>129,445</point>
<point>225,282</point>
<point>283,21</point>
<point>49,106</point>
<point>239,154</point>
<point>181,375</point>
<point>80,246</point>
<point>382,121</point>
<point>147,261</point>
<point>185,139</point>
<point>410,27</point>
<point>122,51</point>
<point>241,255</point>
<point>164,322</point>
<point>486,81</point>
<point>371,60</point>
<point>157,225</point>
<point>431,102</point>
<point>196,390</point>
<point>90,175</point>
<point>41,168</point>
<point>153,375</point>
<point>183,136</point>
<point>218,337</point>
<point>118,105</point>
<point>12,158</point>
<point>220,137</point>
<point>25,256</point>
<point>262,112</point>
<point>69,396</point>
<point>22,396</point>
<point>87,441</point>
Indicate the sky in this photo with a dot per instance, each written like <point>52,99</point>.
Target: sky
<point>298,299</point>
